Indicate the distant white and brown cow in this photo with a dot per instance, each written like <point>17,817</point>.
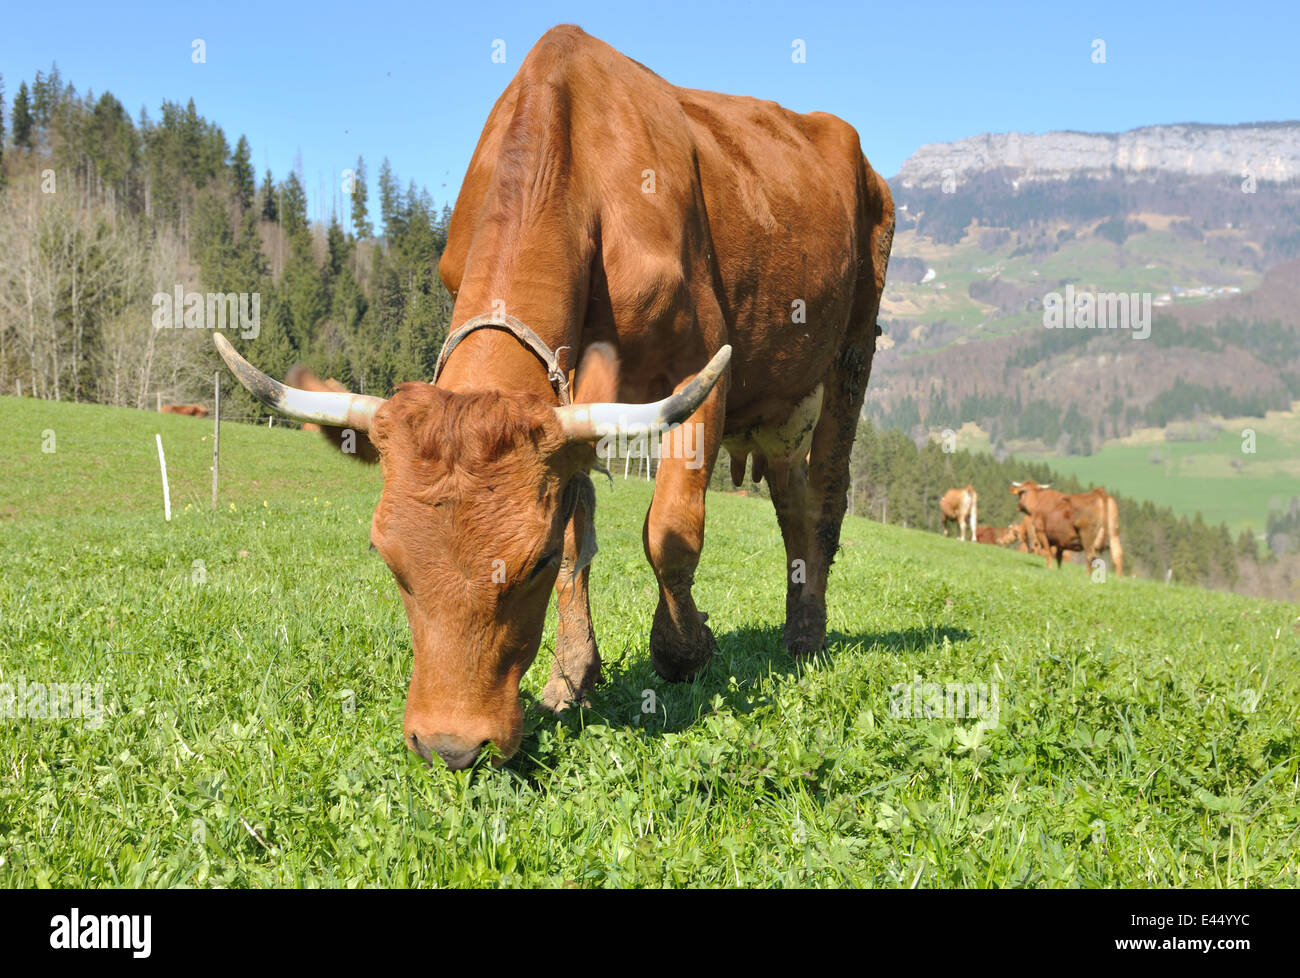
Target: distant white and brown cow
<point>193,410</point>
<point>959,505</point>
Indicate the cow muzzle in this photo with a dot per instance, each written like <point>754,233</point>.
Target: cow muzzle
<point>456,752</point>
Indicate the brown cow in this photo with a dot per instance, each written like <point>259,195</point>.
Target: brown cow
<point>959,505</point>
<point>995,536</point>
<point>193,410</point>
<point>1029,538</point>
<point>1085,521</point>
<point>653,235</point>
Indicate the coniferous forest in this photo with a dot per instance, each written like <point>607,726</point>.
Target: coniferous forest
<point>100,212</point>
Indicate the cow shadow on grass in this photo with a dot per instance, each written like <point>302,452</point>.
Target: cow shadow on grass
<point>746,673</point>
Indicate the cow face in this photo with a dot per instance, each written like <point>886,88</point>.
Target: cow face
<point>1026,493</point>
<point>478,489</point>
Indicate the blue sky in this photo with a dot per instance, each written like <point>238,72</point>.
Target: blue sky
<point>415,81</point>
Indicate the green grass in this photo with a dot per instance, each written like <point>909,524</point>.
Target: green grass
<point>1147,734</point>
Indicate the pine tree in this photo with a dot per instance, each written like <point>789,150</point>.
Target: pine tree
<point>1246,546</point>
<point>47,92</point>
<point>241,173</point>
<point>2,131</point>
<point>390,205</point>
<point>293,206</point>
<point>360,218</point>
<point>336,249</point>
<point>23,122</point>
<point>270,206</point>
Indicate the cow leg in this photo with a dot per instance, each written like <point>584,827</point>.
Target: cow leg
<point>805,573</point>
<point>811,506</point>
<point>577,660</point>
<point>681,644</point>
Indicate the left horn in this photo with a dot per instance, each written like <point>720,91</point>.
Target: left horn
<point>354,411</point>
<point>588,422</point>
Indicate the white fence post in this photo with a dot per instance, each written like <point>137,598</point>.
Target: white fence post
<point>216,435</point>
<point>167,496</point>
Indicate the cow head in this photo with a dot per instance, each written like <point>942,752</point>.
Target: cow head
<point>478,490</point>
<point>1027,494</point>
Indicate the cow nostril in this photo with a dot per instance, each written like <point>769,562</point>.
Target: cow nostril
<point>455,752</point>
<point>420,748</point>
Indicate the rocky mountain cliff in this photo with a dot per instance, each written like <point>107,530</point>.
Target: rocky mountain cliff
<point>1270,151</point>
<point>1202,221</point>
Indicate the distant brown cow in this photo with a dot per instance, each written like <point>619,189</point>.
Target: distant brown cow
<point>1029,539</point>
<point>193,410</point>
<point>959,505</point>
<point>995,536</point>
<point>1085,521</point>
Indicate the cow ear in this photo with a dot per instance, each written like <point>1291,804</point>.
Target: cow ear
<point>597,376</point>
<point>354,443</point>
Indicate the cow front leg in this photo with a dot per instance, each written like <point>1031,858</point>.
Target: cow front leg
<point>681,644</point>
<point>576,669</point>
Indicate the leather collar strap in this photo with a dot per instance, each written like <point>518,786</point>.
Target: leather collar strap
<point>550,358</point>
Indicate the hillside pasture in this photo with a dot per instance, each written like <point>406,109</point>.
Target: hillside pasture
<point>253,662</point>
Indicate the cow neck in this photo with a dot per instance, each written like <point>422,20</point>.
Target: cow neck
<point>549,358</point>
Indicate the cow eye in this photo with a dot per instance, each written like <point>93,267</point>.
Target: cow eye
<point>543,564</point>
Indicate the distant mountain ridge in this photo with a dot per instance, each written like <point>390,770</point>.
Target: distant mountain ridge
<point>1204,219</point>
<point>1269,150</point>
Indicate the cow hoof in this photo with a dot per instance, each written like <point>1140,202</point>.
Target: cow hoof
<point>675,659</point>
<point>558,696</point>
<point>805,633</point>
<point>562,691</point>
<point>799,647</point>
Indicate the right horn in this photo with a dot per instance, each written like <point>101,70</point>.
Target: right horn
<point>354,411</point>
<point>589,422</point>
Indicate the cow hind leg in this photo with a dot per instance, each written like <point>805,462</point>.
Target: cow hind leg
<point>805,596</point>
<point>576,669</point>
<point>822,498</point>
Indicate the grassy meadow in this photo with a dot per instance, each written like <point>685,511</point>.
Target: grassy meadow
<point>254,660</point>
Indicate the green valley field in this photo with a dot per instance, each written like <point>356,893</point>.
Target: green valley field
<point>253,664</point>
<point>1214,477</point>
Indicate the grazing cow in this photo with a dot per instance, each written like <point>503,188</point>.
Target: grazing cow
<point>653,236</point>
<point>1085,521</point>
<point>959,505</point>
<point>193,410</point>
<point>995,536</point>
